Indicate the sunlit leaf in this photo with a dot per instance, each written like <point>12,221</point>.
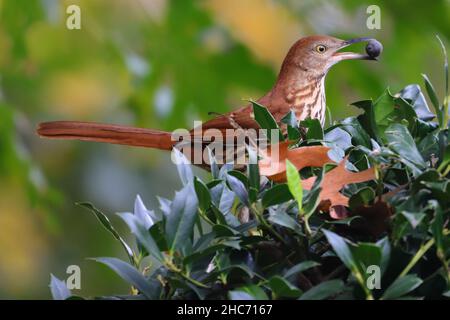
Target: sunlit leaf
<point>294,183</point>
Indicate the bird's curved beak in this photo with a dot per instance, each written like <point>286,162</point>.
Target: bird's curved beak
<point>339,56</point>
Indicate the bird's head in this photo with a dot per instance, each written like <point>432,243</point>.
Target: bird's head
<point>317,54</point>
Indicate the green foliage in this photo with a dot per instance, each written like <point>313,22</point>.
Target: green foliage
<point>59,289</point>
<point>241,236</point>
<point>294,183</point>
<point>266,121</point>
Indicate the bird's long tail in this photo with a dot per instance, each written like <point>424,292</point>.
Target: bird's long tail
<point>108,133</point>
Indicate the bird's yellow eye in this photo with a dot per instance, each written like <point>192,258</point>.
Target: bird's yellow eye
<point>321,48</point>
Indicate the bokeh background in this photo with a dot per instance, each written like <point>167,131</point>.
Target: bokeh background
<point>162,64</point>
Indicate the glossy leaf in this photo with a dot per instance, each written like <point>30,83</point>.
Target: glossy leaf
<point>180,222</point>
<point>283,288</point>
<point>132,276</point>
<point>253,174</point>
<point>279,193</point>
<point>431,92</point>
<point>250,292</point>
<point>104,220</point>
<point>401,287</point>
<point>238,187</point>
<point>203,195</point>
<point>341,248</point>
<point>266,121</point>
<point>414,94</point>
<point>283,219</point>
<point>324,290</point>
<point>183,166</point>
<point>302,266</point>
<point>59,289</point>
<point>314,129</point>
<point>401,142</point>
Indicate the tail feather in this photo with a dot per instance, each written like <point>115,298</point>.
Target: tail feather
<point>108,133</point>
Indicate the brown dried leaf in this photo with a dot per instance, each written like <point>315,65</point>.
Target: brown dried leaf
<point>315,156</point>
<point>274,167</point>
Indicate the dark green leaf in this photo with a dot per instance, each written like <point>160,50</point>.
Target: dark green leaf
<point>250,292</point>
<point>241,176</point>
<point>389,109</point>
<point>312,201</point>
<point>431,92</point>
<point>315,130</point>
<point>283,288</point>
<point>223,199</point>
<point>147,241</point>
<point>209,251</point>
<point>302,266</point>
<point>132,276</point>
<point>358,134</point>
<point>437,228</point>
<point>283,219</point>
<point>402,286</point>
<point>253,174</point>
<point>445,162</point>
<point>202,191</point>
<point>429,146</point>
<point>414,218</point>
<point>367,119</point>
<point>366,254</point>
<point>401,142</point>
<point>324,290</point>
<point>238,187</point>
<point>444,51</point>
<point>293,133</point>
<point>363,197</point>
<point>277,194</point>
<point>385,247</point>
<point>347,221</point>
<point>266,121</point>
<point>180,222</point>
<point>414,94</point>
<point>341,248</point>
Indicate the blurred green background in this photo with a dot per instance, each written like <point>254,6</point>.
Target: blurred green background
<point>161,64</point>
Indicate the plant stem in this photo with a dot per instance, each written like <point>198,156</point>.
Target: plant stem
<point>423,249</point>
<point>446,172</point>
<point>360,279</point>
<point>308,231</point>
<point>263,221</point>
<point>193,281</point>
<point>205,217</point>
<point>172,267</point>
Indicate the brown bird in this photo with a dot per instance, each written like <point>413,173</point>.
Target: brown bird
<point>299,86</point>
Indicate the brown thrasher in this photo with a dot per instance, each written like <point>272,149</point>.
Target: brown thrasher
<point>300,87</point>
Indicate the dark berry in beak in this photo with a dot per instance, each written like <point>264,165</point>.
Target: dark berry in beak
<point>374,48</point>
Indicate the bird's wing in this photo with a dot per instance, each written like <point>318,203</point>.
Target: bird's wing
<point>241,117</point>
<point>244,117</point>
